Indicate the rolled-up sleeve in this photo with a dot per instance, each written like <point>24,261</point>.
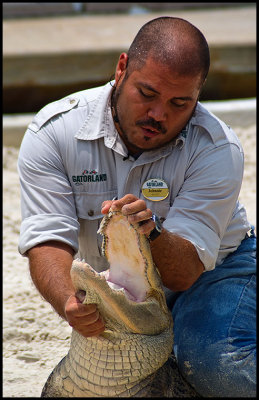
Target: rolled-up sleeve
<point>206,201</point>
<point>47,200</point>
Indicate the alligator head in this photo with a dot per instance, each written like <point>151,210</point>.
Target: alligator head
<point>129,294</point>
<point>130,358</point>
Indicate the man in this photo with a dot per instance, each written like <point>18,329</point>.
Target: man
<point>147,141</point>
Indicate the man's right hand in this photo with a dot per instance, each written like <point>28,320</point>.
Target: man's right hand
<point>84,318</point>
<point>50,265</point>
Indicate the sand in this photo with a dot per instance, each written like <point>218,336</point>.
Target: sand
<point>34,337</point>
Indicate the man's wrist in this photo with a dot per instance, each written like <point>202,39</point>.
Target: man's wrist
<point>157,230</point>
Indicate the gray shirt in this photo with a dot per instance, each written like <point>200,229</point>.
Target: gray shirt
<point>72,159</point>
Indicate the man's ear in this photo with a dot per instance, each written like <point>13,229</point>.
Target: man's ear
<point>121,67</point>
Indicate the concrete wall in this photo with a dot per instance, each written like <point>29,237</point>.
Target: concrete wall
<point>45,59</point>
<point>14,10</point>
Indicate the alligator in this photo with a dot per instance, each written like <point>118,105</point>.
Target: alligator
<point>133,356</point>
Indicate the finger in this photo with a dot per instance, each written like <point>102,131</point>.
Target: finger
<point>78,309</point>
<point>86,322</point>
<point>90,319</point>
<point>140,217</point>
<point>86,309</point>
<point>82,326</point>
<point>135,207</point>
<point>127,199</point>
<point>95,332</point>
<point>106,206</point>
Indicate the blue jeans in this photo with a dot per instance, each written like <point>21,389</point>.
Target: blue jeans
<point>215,327</point>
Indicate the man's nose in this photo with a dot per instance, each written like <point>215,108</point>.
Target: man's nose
<point>157,112</point>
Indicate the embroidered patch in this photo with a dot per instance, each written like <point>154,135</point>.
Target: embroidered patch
<point>89,176</point>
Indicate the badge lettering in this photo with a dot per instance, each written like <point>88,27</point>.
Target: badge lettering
<point>89,176</point>
<point>155,189</point>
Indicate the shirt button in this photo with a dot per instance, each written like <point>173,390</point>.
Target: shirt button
<point>91,213</point>
<point>72,101</point>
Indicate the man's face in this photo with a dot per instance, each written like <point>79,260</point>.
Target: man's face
<point>152,104</point>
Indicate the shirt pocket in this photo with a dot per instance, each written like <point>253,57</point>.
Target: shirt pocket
<point>88,206</point>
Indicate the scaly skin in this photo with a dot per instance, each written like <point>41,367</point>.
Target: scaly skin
<point>131,358</point>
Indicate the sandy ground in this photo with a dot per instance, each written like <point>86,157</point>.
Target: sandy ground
<point>34,337</point>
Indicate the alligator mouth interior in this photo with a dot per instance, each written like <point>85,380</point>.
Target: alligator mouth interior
<point>128,265</point>
<point>129,258</point>
<point>123,283</point>
<point>124,277</point>
<point>116,287</point>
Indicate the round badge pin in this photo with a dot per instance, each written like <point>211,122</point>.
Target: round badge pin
<point>155,189</point>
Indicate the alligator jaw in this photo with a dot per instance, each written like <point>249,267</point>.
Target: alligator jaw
<point>129,295</point>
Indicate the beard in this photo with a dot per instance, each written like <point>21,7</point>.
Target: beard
<point>143,122</point>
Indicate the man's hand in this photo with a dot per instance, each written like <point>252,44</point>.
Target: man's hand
<point>50,265</point>
<point>84,318</point>
<point>135,209</point>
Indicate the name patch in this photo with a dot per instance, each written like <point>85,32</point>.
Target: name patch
<point>155,189</point>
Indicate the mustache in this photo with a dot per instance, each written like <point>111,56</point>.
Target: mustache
<point>153,124</point>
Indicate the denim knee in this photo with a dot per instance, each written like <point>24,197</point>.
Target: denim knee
<point>215,330</point>
<point>219,369</point>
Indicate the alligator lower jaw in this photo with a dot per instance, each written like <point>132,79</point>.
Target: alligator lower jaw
<point>149,316</point>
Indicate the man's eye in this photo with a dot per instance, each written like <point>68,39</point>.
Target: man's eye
<point>178,104</point>
<point>148,96</point>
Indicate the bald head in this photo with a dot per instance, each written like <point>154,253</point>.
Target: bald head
<point>174,42</point>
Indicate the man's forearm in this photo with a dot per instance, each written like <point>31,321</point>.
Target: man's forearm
<point>177,261</point>
<point>50,265</point>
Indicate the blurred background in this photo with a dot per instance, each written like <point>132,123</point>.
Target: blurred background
<point>53,49</point>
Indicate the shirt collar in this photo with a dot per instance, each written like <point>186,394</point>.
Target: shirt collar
<point>181,137</point>
<point>99,123</point>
